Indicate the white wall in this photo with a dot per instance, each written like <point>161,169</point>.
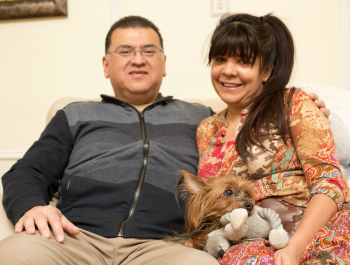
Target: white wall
<point>185,25</point>
<point>44,59</point>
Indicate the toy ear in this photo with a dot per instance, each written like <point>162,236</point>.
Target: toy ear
<point>194,184</point>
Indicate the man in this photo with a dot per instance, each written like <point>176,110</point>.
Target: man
<point>114,164</point>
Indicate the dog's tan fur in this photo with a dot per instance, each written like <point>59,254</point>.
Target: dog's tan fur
<point>206,202</point>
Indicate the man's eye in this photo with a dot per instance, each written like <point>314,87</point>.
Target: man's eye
<point>124,51</point>
<point>149,51</point>
<point>229,193</point>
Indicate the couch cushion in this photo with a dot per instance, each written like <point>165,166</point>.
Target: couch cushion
<point>6,227</point>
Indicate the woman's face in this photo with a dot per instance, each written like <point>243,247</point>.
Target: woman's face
<point>237,81</point>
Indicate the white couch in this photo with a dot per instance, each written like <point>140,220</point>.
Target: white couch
<point>337,99</point>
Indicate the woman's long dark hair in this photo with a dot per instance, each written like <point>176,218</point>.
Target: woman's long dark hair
<point>269,39</point>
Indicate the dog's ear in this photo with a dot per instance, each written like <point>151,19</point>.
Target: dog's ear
<point>193,183</point>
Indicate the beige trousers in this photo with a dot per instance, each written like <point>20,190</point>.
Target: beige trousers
<point>88,248</point>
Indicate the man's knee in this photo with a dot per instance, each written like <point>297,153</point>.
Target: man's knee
<point>204,259</point>
<point>22,249</point>
<point>35,250</point>
<point>193,256</point>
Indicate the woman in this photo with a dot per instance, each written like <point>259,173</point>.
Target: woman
<point>277,138</point>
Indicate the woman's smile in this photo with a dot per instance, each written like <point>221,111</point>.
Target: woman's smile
<point>230,86</point>
<point>237,81</point>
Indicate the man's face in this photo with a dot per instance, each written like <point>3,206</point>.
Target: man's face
<point>137,79</point>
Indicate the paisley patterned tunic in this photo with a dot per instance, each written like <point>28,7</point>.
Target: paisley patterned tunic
<point>296,169</point>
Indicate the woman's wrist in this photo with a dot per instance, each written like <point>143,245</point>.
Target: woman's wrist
<point>297,245</point>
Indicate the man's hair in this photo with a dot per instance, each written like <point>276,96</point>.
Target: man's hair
<point>131,22</point>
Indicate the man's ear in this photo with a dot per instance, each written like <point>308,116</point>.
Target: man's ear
<point>164,72</point>
<point>105,66</point>
<point>267,72</point>
<point>194,184</point>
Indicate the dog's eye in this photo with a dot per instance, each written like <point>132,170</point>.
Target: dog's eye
<point>229,193</point>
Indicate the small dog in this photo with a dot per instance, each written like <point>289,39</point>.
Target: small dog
<point>206,202</point>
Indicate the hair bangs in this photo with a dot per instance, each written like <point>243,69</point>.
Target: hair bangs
<point>235,39</point>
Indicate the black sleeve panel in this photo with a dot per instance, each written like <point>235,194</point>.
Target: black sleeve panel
<point>34,179</point>
<point>212,112</point>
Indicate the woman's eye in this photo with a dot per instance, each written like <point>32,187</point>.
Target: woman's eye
<point>247,62</point>
<point>229,193</point>
<point>219,59</point>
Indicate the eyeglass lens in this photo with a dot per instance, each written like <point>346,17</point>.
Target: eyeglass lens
<point>145,52</point>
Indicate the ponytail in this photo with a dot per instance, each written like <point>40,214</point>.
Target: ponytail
<point>269,38</point>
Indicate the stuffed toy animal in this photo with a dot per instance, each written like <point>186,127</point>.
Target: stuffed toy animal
<point>241,225</point>
<point>220,211</point>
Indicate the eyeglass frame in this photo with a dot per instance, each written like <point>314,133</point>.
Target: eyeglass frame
<point>137,50</point>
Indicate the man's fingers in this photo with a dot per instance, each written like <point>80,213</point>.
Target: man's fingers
<point>326,112</point>
<point>313,96</point>
<point>320,104</point>
<point>28,223</point>
<point>69,227</point>
<point>43,217</point>
<point>19,226</point>
<point>41,223</point>
<point>54,218</point>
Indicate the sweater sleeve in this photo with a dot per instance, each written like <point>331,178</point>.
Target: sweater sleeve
<point>313,141</point>
<point>34,179</point>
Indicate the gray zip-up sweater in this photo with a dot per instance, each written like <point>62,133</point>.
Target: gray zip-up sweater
<point>115,168</point>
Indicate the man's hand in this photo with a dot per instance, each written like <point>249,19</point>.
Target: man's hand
<point>321,105</point>
<point>42,217</point>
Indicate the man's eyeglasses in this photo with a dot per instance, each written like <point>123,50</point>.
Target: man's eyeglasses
<point>147,53</point>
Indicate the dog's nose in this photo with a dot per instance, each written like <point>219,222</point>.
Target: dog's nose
<point>248,206</point>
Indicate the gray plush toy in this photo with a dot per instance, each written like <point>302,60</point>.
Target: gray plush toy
<point>239,226</point>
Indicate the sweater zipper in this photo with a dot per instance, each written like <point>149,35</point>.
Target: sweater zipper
<point>67,190</point>
<point>143,169</point>
<point>141,177</point>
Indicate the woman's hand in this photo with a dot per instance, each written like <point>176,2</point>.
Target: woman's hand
<point>290,255</point>
<point>319,210</point>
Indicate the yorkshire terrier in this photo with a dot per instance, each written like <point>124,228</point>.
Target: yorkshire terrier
<point>206,201</point>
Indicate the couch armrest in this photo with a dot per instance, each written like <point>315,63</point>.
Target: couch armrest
<point>61,103</point>
<point>6,227</point>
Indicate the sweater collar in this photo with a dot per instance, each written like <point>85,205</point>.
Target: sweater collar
<point>114,100</point>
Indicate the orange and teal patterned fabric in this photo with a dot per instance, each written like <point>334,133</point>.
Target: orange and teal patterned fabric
<point>329,246</point>
<point>304,165</point>
<point>296,169</point>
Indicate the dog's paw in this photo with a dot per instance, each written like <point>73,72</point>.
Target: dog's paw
<point>188,243</point>
<point>278,238</point>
